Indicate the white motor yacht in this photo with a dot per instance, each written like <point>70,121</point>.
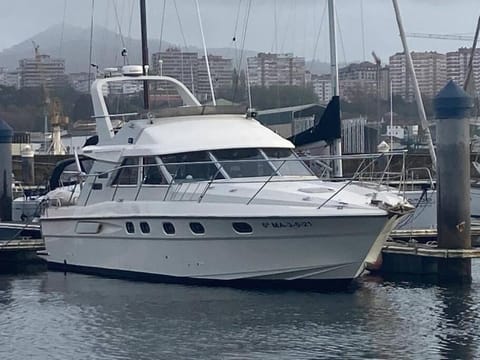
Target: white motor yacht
<point>198,193</point>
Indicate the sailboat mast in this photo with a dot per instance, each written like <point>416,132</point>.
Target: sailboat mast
<point>333,48</point>
<point>416,88</point>
<point>336,148</point>
<point>143,23</point>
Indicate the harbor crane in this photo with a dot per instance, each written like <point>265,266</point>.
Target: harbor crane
<point>440,36</point>
<point>53,110</point>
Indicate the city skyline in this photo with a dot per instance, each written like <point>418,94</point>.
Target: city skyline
<point>433,69</point>
<point>278,26</point>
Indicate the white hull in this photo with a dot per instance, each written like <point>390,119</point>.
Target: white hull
<point>425,215</point>
<point>279,248</point>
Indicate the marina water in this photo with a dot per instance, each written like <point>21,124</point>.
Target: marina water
<point>49,315</point>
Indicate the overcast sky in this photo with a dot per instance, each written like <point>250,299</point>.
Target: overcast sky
<point>273,25</point>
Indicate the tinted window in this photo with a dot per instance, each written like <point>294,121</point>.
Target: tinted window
<point>130,227</point>
<point>191,166</point>
<point>168,228</point>
<point>144,227</point>
<point>197,228</point>
<point>151,172</point>
<point>241,162</point>
<point>127,174</point>
<point>286,162</point>
<point>242,227</point>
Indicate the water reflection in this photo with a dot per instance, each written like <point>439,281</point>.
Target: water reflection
<point>458,323</point>
<point>49,315</point>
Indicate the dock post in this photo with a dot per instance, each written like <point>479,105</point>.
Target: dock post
<point>453,180</point>
<point>6,135</point>
<point>28,165</point>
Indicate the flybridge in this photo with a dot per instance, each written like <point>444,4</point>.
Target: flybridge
<point>104,125</point>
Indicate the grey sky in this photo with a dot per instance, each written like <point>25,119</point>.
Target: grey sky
<point>298,22</point>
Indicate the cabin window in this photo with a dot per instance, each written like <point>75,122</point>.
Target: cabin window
<point>151,172</point>
<point>127,174</point>
<point>191,166</point>
<point>286,162</point>
<point>197,228</point>
<point>242,163</point>
<point>130,227</point>
<point>145,227</point>
<point>242,227</point>
<point>168,228</point>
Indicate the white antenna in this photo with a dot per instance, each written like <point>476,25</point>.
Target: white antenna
<point>206,54</point>
<point>248,91</point>
<point>391,116</point>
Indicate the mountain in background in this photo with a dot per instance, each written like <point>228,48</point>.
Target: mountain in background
<point>73,44</point>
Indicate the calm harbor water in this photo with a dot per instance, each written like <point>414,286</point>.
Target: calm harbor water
<point>47,315</point>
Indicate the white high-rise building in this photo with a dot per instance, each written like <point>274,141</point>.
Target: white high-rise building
<point>322,87</point>
<point>178,64</point>
<point>276,70</point>
<point>221,71</point>
<point>42,70</point>
<point>430,69</point>
<point>457,66</point>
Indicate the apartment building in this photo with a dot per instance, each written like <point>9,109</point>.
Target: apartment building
<point>42,70</point>
<point>322,87</point>
<point>178,64</point>
<point>268,69</point>
<point>358,78</point>
<point>81,81</point>
<point>457,66</point>
<point>9,78</point>
<point>221,71</point>
<point>430,69</point>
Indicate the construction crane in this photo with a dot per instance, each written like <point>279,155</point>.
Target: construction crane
<point>440,36</point>
<point>53,111</point>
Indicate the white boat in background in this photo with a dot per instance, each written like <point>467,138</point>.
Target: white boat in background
<point>198,193</point>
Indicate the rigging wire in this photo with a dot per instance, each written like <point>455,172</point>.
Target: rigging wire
<point>244,33</point>
<point>242,45</point>
<point>206,54</point>
<point>363,30</point>
<point>60,48</point>
<point>105,51</point>
<point>129,37</point>
<point>185,46</point>
<point>180,24</point>
<point>340,36</point>
<point>234,37</point>
<point>290,24</point>
<point>119,26</point>
<point>315,46</point>
<point>90,64</point>
<point>275,28</point>
<point>161,26</point>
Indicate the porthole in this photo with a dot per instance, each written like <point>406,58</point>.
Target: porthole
<point>144,227</point>
<point>197,228</point>
<point>130,227</point>
<point>242,227</point>
<point>168,228</point>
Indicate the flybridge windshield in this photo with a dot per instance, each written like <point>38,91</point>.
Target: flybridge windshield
<point>126,96</point>
<point>209,165</point>
<point>123,96</point>
<point>234,163</point>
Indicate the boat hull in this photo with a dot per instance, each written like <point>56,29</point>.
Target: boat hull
<point>277,250</point>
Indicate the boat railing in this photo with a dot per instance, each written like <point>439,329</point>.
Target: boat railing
<point>196,190</point>
<point>419,177</point>
<point>388,169</point>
